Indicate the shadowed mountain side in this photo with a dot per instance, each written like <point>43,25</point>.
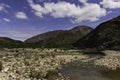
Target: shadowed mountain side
<point>106,35</point>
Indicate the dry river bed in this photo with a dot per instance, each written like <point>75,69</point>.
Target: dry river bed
<point>56,64</point>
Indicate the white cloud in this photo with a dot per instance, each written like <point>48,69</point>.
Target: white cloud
<point>39,10</point>
<point>21,15</point>
<point>19,35</point>
<point>112,4</point>
<point>6,19</point>
<point>90,11</point>
<point>3,7</point>
<point>83,1</point>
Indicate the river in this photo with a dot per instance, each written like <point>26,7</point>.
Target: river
<point>86,70</point>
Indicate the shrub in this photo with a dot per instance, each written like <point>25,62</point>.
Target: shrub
<point>51,74</point>
<point>43,56</point>
<point>35,74</point>
<point>116,48</point>
<point>26,63</point>
<point>1,65</point>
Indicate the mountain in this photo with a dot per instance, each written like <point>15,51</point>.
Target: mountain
<point>106,35</point>
<point>81,30</point>
<point>7,42</point>
<point>60,38</point>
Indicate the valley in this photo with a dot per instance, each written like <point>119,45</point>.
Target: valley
<point>80,53</point>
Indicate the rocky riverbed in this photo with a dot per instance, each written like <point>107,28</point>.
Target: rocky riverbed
<point>56,64</point>
<point>111,60</point>
<point>35,64</point>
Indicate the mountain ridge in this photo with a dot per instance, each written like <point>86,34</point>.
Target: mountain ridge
<point>58,38</point>
<point>104,35</point>
<point>8,42</point>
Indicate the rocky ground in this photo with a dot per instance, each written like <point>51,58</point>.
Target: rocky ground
<point>44,64</point>
<point>111,60</point>
<point>35,64</point>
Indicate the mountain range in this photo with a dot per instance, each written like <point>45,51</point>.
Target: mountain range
<point>104,36</point>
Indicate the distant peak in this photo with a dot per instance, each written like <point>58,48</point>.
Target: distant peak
<point>82,26</point>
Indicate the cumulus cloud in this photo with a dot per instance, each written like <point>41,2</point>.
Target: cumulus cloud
<point>90,11</point>
<point>6,19</point>
<point>21,15</point>
<point>111,4</point>
<point>38,9</point>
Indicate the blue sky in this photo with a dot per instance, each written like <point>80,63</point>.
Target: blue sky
<point>22,19</point>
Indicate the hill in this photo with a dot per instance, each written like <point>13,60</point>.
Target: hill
<point>9,43</point>
<point>59,38</point>
<point>106,35</point>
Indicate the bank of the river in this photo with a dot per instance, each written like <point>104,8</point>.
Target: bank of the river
<point>111,60</point>
<point>112,74</point>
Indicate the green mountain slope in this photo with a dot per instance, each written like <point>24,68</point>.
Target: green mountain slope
<point>60,38</point>
<point>106,35</point>
<point>7,42</point>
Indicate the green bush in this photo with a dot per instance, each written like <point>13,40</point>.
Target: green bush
<point>51,74</point>
<point>35,74</point>
<point>1,65</point>
<point>116,48</point>
<point>26,63</point>
<point>43,55</point>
